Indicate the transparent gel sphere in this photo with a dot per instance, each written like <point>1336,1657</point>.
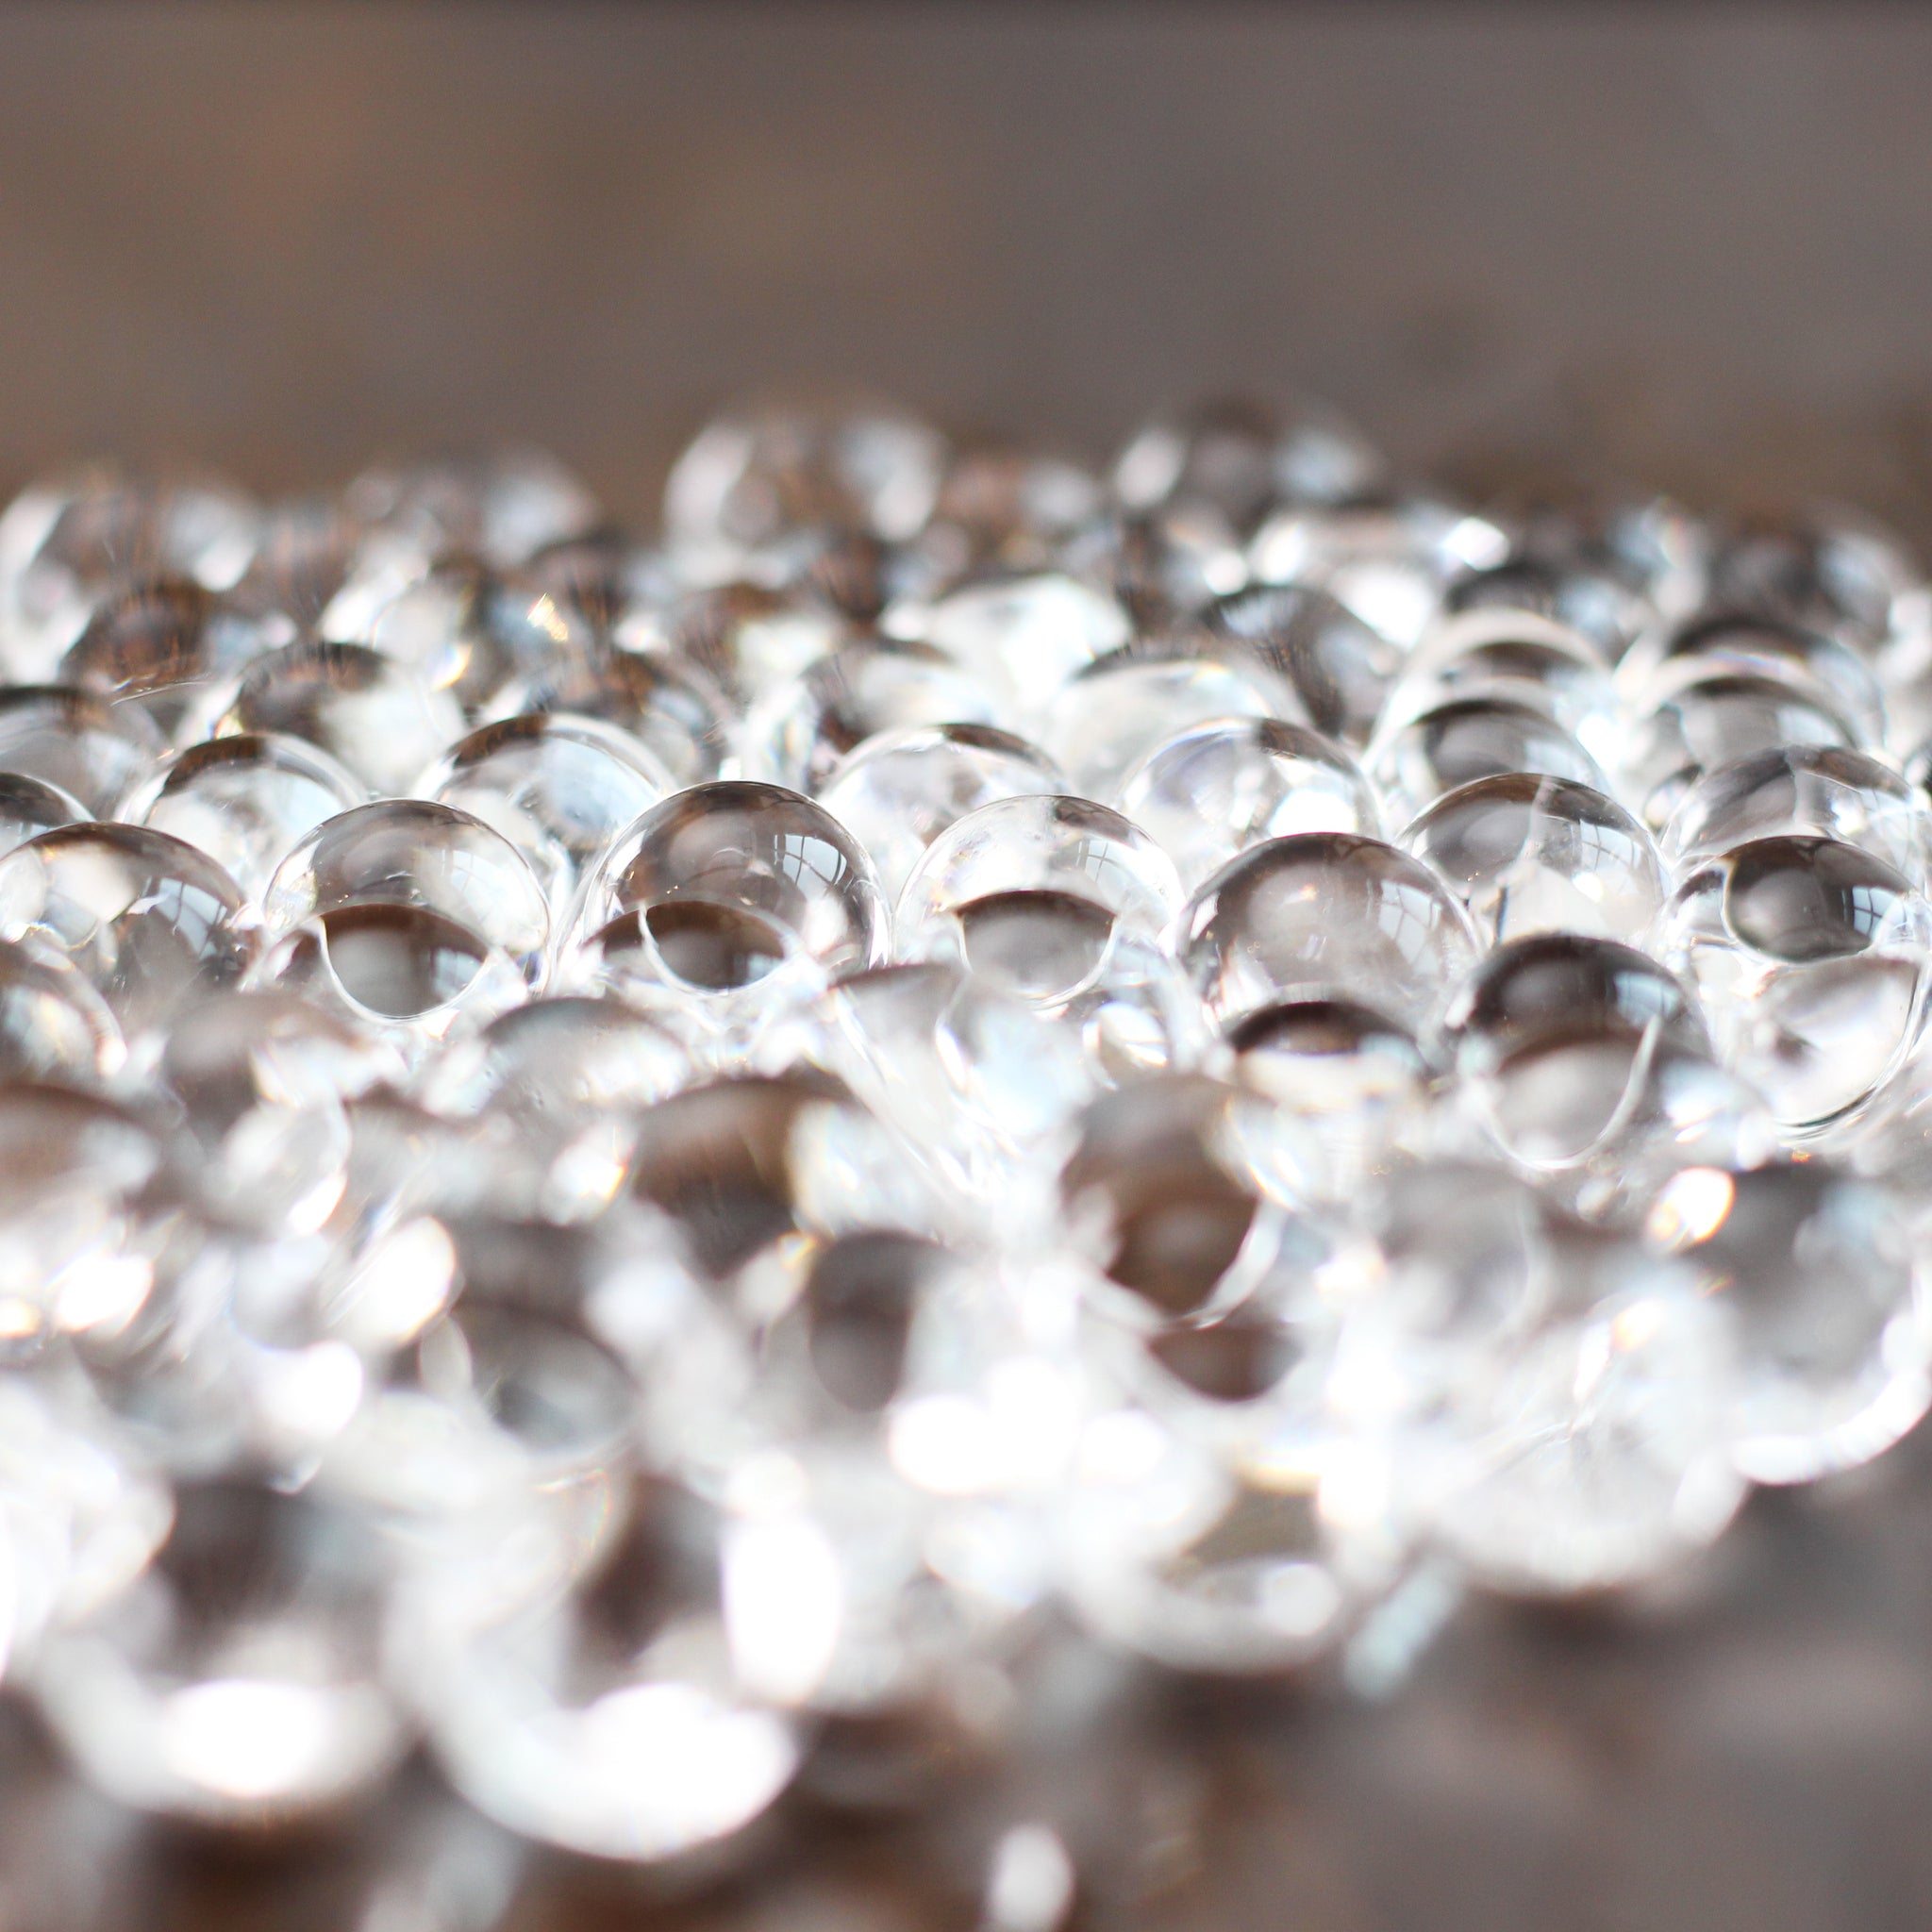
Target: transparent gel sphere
<point>1819,790</point>
<point>1512,654</point>
<point>745,637</point>
<point>247,801</point>
<point>1527,854</point>
<point>1162,567</point>
<point>898,791</point>
<point>799,730</point>
<point>1120,708</point>
<point>1359,1082</point>
<point>1022,637</point>
<point>89,749</point>
<point>1339,667</point>
<point>558,787</point>
<point>1831,570</point>
<point>367,712</point>
<point>613,1721</point>
<point>29,807</point>
<point>1386,563</point>
<point>150,922</point>
<point>504,505</point>
<point>236,1681</point>
<point>725,904</point>
<point>1414,761</point>
<point>759,480</point>
<point>660,704</point>
<point>1811,664</point>
<point>1808,958</point>
<point>1007,506</point>
<point>52,1025</point>
<point>155,644</point>
<point>1711,721</point>
<point>1214,789</point>
<point>1325,915</point>
<point>1815,1269</point>
<point>1240,457</point>
<point>556,1086</point>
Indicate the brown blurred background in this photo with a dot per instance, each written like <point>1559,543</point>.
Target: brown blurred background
<point>1692,241</point>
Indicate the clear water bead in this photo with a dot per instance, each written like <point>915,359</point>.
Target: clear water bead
<point>1022,637</point>
<point>723,905</point>
<point>898,790</point>
<point>1711,721</point>
<point>1526,854</point>
<point>1818,791</point>
<point>52,1025</point>
<point>799,730</point>
<point>504,505</point>
<point>245,800</point>
<point>1339,667</point>
<point>158,644</point>
<point>1416,761</point>
<point>1325,915</point>
<point>663,706</point>
<point>150,922</point>
<point>82,744</point>
<point>1816,1272</point>
<point>758,486</point>
<point>369,713</point>
<point>238,1680</point>
<point>1213,790</point>
<point>559,787</point>
<point>744,638</point>
<point>1808,956</point>
<point>1006,507</point>
<point>29,807</point>
<point>1116,710</point>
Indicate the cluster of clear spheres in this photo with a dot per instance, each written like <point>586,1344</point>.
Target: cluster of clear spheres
<point>630,1160</point>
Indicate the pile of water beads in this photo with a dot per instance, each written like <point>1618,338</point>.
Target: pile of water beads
<point>631,1159</point>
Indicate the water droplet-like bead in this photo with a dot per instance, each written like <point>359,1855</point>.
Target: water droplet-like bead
<point>247,801</point>
<point>1356,1082</point>
<point>29,807</point>
<point>1526,854</point>
<point>1163,567</point>
<point>1005,507</point>
<point>559,787</point>
<point>52,1025</point>
<point>722,907</point>
<point>503,506</point>
<point>1819,790</point>
<point>1213,790</point>
<point>1240,457</point>
<point>1831,571</point>
<point>158,645</point>
<point>1386,563</point>
<point>745,637</point>
<point>69,543</point>
<point>1120,707</point>
<point>799,730</point>
<point>1808,956</point>
<point>1508,653</point>
<point>87,747</point>
<point>758,487</point>
<point>1325,915</point>
<point>1711,721</point>
<point>1811,664</point>
<point>1577,585</point>
<point>150,922</point>
<point>898,790</point>
<point>555,1086</point>
<point>237,1680</point>
<point>1022,637</point>
<point>614,1721</point>
<point>1828,1312</point>
<point>1416,761</point>
<point>662,705</point>
<point>365,711</point>
<point>1339,667</point>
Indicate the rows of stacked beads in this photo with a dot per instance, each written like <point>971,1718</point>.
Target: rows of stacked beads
<point>619,1156</point>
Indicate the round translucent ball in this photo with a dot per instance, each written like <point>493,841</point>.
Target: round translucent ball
<point>247,801</point>
<point>1527,854</point>
<point>898,791</point>
<point>1808,956</point>
<point>29,807</point>
<point>1325,915</point>
<point>559,787</point>
<point>150,922</point>
<point>1214,789</point>
<point>89,749</point>
<point>1832,1329</point>
<point>724,886</point>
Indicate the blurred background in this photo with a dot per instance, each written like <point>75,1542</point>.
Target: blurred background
<point>1686,242</point>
